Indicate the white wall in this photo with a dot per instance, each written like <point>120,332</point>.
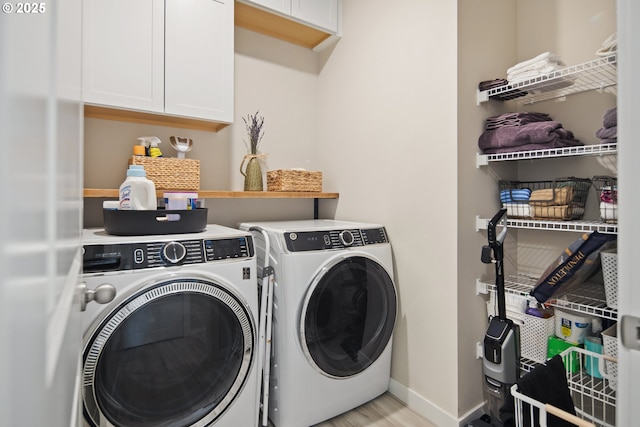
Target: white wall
<point>387,142</point>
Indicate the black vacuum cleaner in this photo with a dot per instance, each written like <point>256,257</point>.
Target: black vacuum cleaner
<point>501,361</point>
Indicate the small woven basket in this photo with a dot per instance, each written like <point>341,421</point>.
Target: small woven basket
<point>294,180</point>
<point>170,173</point>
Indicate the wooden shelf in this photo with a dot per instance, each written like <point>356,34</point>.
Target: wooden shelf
<point>131,116</point>
<point>109,193</point>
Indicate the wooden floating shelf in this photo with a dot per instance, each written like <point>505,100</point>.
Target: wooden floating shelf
<point>106,113</point>
<point>209,194</point>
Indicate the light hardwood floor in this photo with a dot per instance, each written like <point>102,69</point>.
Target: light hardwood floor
<point>385,411</point>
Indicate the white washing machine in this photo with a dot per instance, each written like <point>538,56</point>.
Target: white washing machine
<point>334,311</point>
<point>177,346</point>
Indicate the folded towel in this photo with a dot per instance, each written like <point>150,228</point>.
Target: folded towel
<point>609,46</point>
<point>517,210</point>
<point>562,212</point>
<point>610,118</point>
<point>515,195</point>
<point>609,196</point>
<point>545,56</point>
<point>502,96</point>
<point>551,196</point>
<point>530,133</point>
<point>490,84</point>
<point>608,140</point>
<point>609,212</point>
<point>528,74</point>
<point>607,133</point>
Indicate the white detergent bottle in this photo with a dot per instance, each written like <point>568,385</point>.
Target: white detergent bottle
<point>137,192</point>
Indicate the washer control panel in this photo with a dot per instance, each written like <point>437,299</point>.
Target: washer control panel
<point>135,256</point>
<point>300,241</point>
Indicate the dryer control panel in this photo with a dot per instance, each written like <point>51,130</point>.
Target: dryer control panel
<point>300,241</point>
<point>135,256</point>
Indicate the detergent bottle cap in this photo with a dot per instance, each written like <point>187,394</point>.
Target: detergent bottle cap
<point>136,170</point>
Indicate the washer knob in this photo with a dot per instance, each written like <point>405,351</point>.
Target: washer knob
<point>346,237</point>
<point>174,252</point>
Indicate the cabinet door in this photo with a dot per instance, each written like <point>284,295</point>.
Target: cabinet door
<point>282,6</point>
<point>199,59</point>
<point>319,13</point>
<point>123,53</point>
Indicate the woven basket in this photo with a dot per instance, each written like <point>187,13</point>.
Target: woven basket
<point>170,173</point>
<point>294,180</point>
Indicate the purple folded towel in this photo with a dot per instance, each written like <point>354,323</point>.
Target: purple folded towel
<point>531,133</point>
<point>610,118</point>
<point>607,133</point>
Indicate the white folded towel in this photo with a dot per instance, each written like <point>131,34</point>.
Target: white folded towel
<point>532,73</point>
<point>547,57</point>
<point>609,46</point>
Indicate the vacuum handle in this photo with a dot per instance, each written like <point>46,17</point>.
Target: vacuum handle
<point>491,228</point>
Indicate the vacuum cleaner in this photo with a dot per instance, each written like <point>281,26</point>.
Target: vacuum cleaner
<point>501,361</point>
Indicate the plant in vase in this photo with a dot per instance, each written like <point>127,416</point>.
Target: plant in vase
<point>253,172</point>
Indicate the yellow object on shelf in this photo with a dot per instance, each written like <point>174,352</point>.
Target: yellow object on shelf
<point>294,180</point>
<point>168,173</point>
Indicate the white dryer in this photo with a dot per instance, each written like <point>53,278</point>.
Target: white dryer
<point>177,346</point>
<point>334,311</point>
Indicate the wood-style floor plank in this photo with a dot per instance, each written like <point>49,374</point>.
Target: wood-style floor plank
<point>385,411</point>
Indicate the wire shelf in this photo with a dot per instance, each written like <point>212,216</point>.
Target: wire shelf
<point>572,226</point>
<point>598,74</point>
<point>589,298</point>
<point>583,150</point>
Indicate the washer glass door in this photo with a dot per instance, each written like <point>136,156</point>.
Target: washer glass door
<point>348,316</point>
<point>175,354</point>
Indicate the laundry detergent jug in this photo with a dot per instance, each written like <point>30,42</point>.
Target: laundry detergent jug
<point>138,192</point>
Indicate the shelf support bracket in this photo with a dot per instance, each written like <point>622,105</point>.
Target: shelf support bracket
<point>315,207</point>
<point>481,287</point>
<point>481,223</point>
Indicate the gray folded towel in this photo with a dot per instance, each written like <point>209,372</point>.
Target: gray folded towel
<point>531,133</point>
<point>607,133</point>
<point>610,118</point>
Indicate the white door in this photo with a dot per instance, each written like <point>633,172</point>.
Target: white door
<point>40,213</point>
<point>628,394</point>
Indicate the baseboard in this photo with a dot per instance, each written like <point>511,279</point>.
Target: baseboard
<point>428,410</point>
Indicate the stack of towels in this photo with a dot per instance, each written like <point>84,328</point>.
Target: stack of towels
<point>608,133</point>
<point>523,131</point>
<point>609,204</point>
<point>542,64</point>
<point>516,202</point>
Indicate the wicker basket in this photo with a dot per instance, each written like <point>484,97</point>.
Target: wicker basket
<point>294,180</point>
<point>170,173</point>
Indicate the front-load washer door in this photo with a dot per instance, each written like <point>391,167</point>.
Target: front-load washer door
<point>348,316</point>
<point>174,354</point>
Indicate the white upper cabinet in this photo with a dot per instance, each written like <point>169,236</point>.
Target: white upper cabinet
<point>282,6</point>
<point>123,53</point>
<point>173,57</point>
<point>321,14</point>
<point>199,59</point>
